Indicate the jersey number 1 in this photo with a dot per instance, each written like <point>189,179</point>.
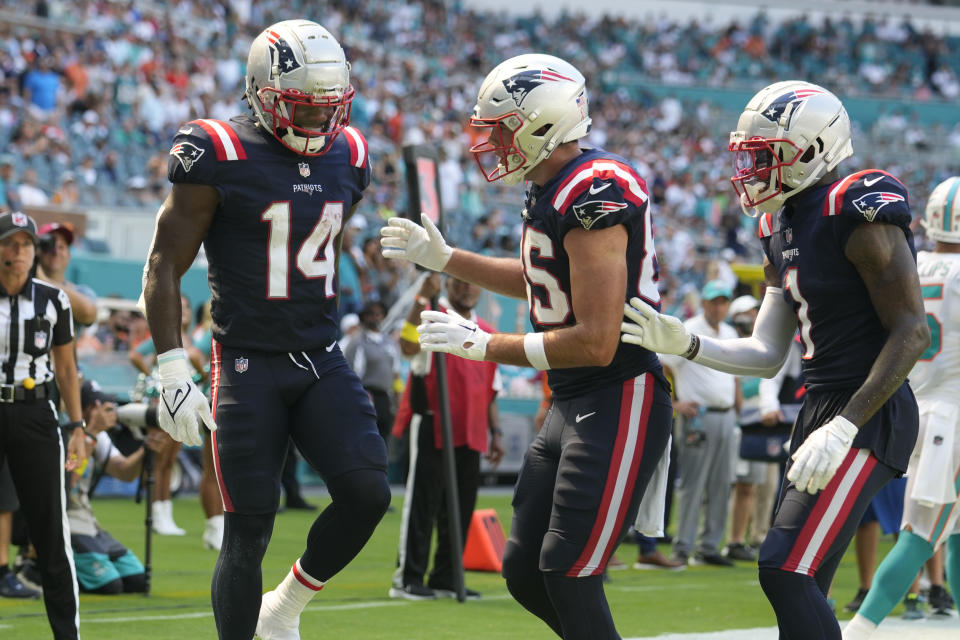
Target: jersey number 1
<point>315,258</point>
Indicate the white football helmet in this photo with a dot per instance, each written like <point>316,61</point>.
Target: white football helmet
<point>297,64</point>
<point>789,136</point>
<point>942,217</point>
<point>531,103</point>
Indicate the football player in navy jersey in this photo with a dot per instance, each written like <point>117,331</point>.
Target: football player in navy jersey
<point>267,195</point>
<point>840,263</point>
<point>587,246</point>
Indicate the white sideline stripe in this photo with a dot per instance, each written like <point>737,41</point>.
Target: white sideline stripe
<point>373,604</point>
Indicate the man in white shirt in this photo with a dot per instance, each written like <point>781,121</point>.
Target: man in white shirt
<point>706,406</point>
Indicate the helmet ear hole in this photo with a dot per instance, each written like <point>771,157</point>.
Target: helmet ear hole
<point>542,131</point>
<point>808,154</point>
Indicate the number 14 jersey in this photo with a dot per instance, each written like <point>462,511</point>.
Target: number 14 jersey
<point>271,246</point>
<point>595,190</point>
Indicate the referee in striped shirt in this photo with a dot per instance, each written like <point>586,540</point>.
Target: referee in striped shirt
<point>35,323</point>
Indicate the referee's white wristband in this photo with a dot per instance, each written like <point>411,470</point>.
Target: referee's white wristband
<point>533,349</point>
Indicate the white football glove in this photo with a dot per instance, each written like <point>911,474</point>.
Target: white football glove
<point>405,239</point>
<point>654,331</point>
<point>821,454</point>
<point>183,407</point>
<point>451,333</point>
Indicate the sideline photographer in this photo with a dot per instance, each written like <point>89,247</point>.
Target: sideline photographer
<point>104,565</point>
<point>35,324</point>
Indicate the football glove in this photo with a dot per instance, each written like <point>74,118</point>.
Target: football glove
<point>183,407</point>
<point>451,333</point>
<point>654,331</point>
<point>821,454</point>
<point>406,240</point>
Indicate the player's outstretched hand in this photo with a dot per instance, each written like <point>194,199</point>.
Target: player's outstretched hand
<point>183,408</point>
<point>406,240</point>
<point>821,454</point>
<point>646,327</point>
<point>451,333</point>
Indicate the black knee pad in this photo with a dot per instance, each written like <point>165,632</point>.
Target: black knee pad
<point>362,493</point>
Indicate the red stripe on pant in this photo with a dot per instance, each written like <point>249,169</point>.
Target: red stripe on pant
<point>216,365</point>
<point>611,502</point>
<point>827,497</point>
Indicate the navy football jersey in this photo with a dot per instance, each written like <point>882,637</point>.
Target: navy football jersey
<point>839,329</point>
<point>596,190</point>
<point>840,332</point>
<point>271,246</point>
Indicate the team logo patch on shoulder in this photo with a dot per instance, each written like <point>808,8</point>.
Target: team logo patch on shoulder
<point>187,154</point>
<point>870,204</point>
<point>589,212</point>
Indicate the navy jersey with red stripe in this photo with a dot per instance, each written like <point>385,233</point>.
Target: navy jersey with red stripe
<point>840,331</point>
<point>271,246</point>
<point>596,190</point>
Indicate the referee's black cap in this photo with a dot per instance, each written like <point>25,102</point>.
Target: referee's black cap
<point>14,222</point>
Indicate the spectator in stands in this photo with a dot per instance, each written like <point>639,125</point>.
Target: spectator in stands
<point>67,195</point>
<point>9,197</point>
<point>53,258</point>
<point>29,193</point>
<point>41,85</point>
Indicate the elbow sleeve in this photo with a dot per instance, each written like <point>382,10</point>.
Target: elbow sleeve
<point>764,352</point>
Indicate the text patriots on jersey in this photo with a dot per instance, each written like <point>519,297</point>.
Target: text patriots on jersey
<point>187,154</point>
<point>790,254</point>
<point>309,189</point>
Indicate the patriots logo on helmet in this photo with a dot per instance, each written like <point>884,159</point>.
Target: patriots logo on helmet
<point>778,106</point>
<point>870,204</point>
<point>524,82</point>
<point>284,59</point>
<point>589,212</point>
<point>187,154</point>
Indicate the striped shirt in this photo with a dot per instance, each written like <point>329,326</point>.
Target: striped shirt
<point>32,322</point>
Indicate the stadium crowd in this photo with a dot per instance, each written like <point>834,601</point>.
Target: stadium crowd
<point>91,94</point>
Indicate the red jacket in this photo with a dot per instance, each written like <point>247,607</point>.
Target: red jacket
<point>472,386</point>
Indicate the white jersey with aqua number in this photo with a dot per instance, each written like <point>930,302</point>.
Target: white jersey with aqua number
<point>936,376</point>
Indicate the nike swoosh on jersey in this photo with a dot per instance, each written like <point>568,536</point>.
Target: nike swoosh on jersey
<point>594,190</point>
<point>585,416</point>
<point>870,183</point>
<point>186,131</point>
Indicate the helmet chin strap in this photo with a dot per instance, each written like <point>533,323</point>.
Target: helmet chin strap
<point>750,212</point>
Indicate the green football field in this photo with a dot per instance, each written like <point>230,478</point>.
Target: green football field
<point>355,603</point>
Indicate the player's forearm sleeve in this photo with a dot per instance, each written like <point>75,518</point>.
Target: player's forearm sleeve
<point>763,353</point>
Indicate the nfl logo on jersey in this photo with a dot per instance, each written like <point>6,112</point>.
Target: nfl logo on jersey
<point>240,365</point>
<point>40,339</point>
<point>788,234</point>
<point>304,169</point>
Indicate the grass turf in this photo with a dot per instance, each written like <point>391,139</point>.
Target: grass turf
<point>355,603</point>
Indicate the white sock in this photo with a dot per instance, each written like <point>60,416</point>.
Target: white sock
<point>295,591</point>
<point>215,522</point>
<point>859,629</point>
